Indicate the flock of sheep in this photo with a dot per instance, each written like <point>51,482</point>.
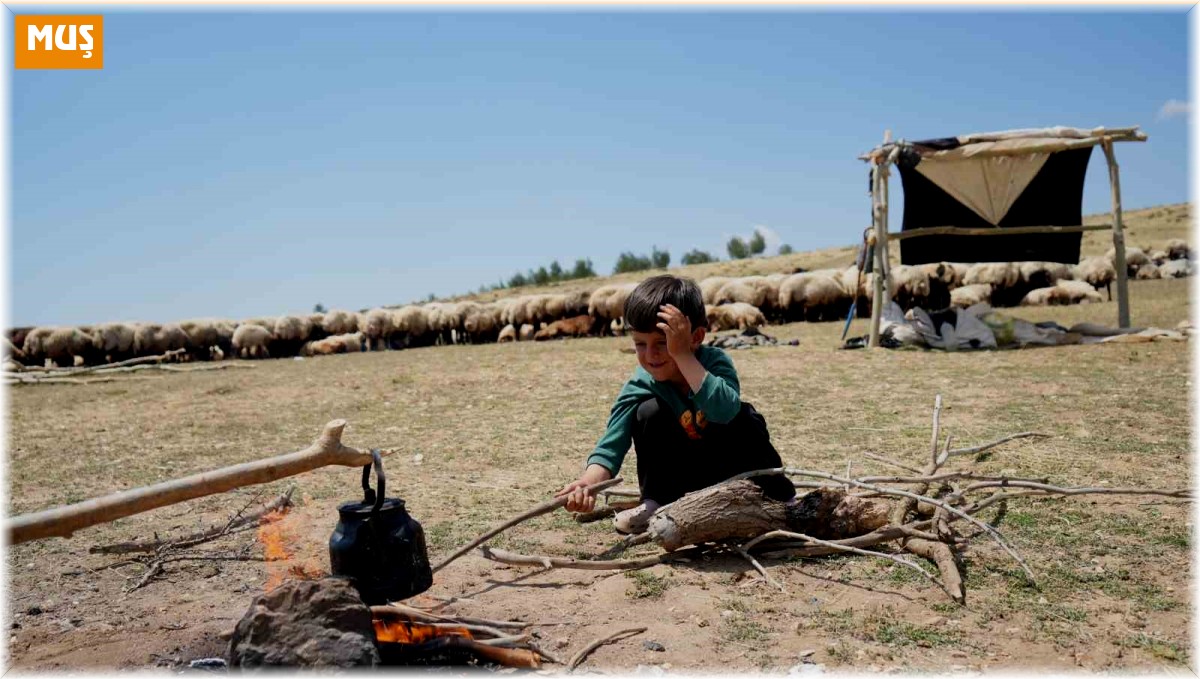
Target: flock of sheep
<point>731,303</point>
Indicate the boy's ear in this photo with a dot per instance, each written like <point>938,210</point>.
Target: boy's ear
<point>698,337</point>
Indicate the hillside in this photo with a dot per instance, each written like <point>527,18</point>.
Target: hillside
<point>1144,227</point>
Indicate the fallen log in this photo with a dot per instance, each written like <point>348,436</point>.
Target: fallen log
<point>739,510</point>
<point>63,521</point>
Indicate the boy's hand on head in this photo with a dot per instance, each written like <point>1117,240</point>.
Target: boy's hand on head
<point>678,329</point>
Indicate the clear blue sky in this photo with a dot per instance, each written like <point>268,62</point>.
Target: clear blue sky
<point>259,163</point>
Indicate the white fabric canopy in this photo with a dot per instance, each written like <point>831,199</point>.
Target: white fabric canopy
<point>988,185</point>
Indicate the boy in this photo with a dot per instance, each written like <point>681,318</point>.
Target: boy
<point>681,409</point>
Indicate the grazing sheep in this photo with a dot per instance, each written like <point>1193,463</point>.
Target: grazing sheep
<point>508,334</point>
<point>526,332</point>
<point>375,326</point>
<point>1146,272</point>
<point>1159,257</point>
<point>752,290</point>
<point>410,327</point>
<point>813,296</point>
<point>1177,248</point>
<point>482,323</point>
<point>17,335</point>
<point>734,315</point>
<point>1135,258</point>
<point>114,341</point>
<point>617,327</point>
<point>250,340</point>
<point>289,335</point>
<point>576,303</point>
<point>1176,268</point>
<point>576,326</point>
<point>1063,292</point>
<point>339,322</point>
<point>607,303</point>
<point>1099,272</point>
<point>153,339</point>
<point>970,295</point>
<point>1005,279</point>
<point>57,346</point>
<point>267,322</point>
<point>709,287</point>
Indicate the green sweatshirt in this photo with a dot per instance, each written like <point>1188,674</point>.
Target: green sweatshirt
<point>718,400</point>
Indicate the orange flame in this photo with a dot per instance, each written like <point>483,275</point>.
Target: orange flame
<point>409,632</point>
<point>278,542</point>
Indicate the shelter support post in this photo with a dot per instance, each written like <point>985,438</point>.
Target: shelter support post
<point>1114,179</point>
<point>878,297</point>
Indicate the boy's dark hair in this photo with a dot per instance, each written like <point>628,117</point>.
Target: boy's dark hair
<point>643,304</point>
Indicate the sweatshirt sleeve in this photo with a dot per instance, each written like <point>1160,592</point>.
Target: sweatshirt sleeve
<point>719,394</point>
<point>618,436</point>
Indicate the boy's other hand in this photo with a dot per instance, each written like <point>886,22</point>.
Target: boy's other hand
<point>578,497</point>
<point>678,329</point>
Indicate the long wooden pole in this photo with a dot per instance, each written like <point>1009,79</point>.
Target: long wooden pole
<point>65,520</point>
<point>993,231</point>
<point>877,300</point>
<point>1114,179</point>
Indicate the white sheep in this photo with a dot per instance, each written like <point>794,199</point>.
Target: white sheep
<point>153,339</point>
<point>1176,268</point>
<point>114,340</point>
<point>709,287</point>
<point>526,332</point>
<point>376,325</point>
<point>813,296</point>
<point>339,322</point>
<point>1063,292</point>
<point>734,315</point>
<point>970,295</point>
<point>508,334</point>
<point>1177,248</point>
<point>250,340</point>
<point>1099,272</point>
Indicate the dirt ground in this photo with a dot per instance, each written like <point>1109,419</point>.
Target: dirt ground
<point>485,432</point>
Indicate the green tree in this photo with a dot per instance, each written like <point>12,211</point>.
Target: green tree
<point>627,261</point>
<point>583,269</point>
<point>518,279</point>
<point>661,259</point>
<point>785,249</point>
<point>540,277</point>
<point>697,256</point>
<point>556,271</point>
<point>757,243</point>
<point>318,308</point>
<point>737,249</point>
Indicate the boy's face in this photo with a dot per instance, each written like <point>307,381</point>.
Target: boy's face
<point>652,354</point>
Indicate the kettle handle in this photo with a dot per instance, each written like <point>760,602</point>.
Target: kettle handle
<point>370,496</point>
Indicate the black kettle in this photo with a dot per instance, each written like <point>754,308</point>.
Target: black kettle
<point>378,545</point>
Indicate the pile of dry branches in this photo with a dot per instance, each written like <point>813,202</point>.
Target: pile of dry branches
<point>14,374</point>
<point>932,512</point>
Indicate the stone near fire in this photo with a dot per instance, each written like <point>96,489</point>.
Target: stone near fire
<point>307,623</point>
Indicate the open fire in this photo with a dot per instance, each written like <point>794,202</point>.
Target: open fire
<point>278,540</point>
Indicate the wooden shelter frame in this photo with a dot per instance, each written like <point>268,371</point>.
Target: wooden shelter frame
<point>1056,138</point>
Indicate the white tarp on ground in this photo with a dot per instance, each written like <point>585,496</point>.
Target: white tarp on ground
<point>988,185</point>
<point>981,327</point>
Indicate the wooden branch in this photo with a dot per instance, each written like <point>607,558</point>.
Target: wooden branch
<point>587,650</point>
<point>284,500</point>
<point>63,521</point>
<point>940,554</point>
<point>501,556</point>
<point>885,534</point>
<point>846,548</point>
<point>992,231</point>
<point>894,463</point>
<point>979,449</point>
<point>543,508</point>
<point>119,364</point>
<point>759,567</point>
<point>937,427</point>
<point>621,492</point>
<point>946,476</point>
<point>1059,490</point>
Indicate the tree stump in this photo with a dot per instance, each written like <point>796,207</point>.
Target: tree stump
<point>739,510</point>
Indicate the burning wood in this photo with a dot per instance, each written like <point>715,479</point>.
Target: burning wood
<point>278,542</point>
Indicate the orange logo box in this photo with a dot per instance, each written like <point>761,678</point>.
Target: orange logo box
<point>59,41</point>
